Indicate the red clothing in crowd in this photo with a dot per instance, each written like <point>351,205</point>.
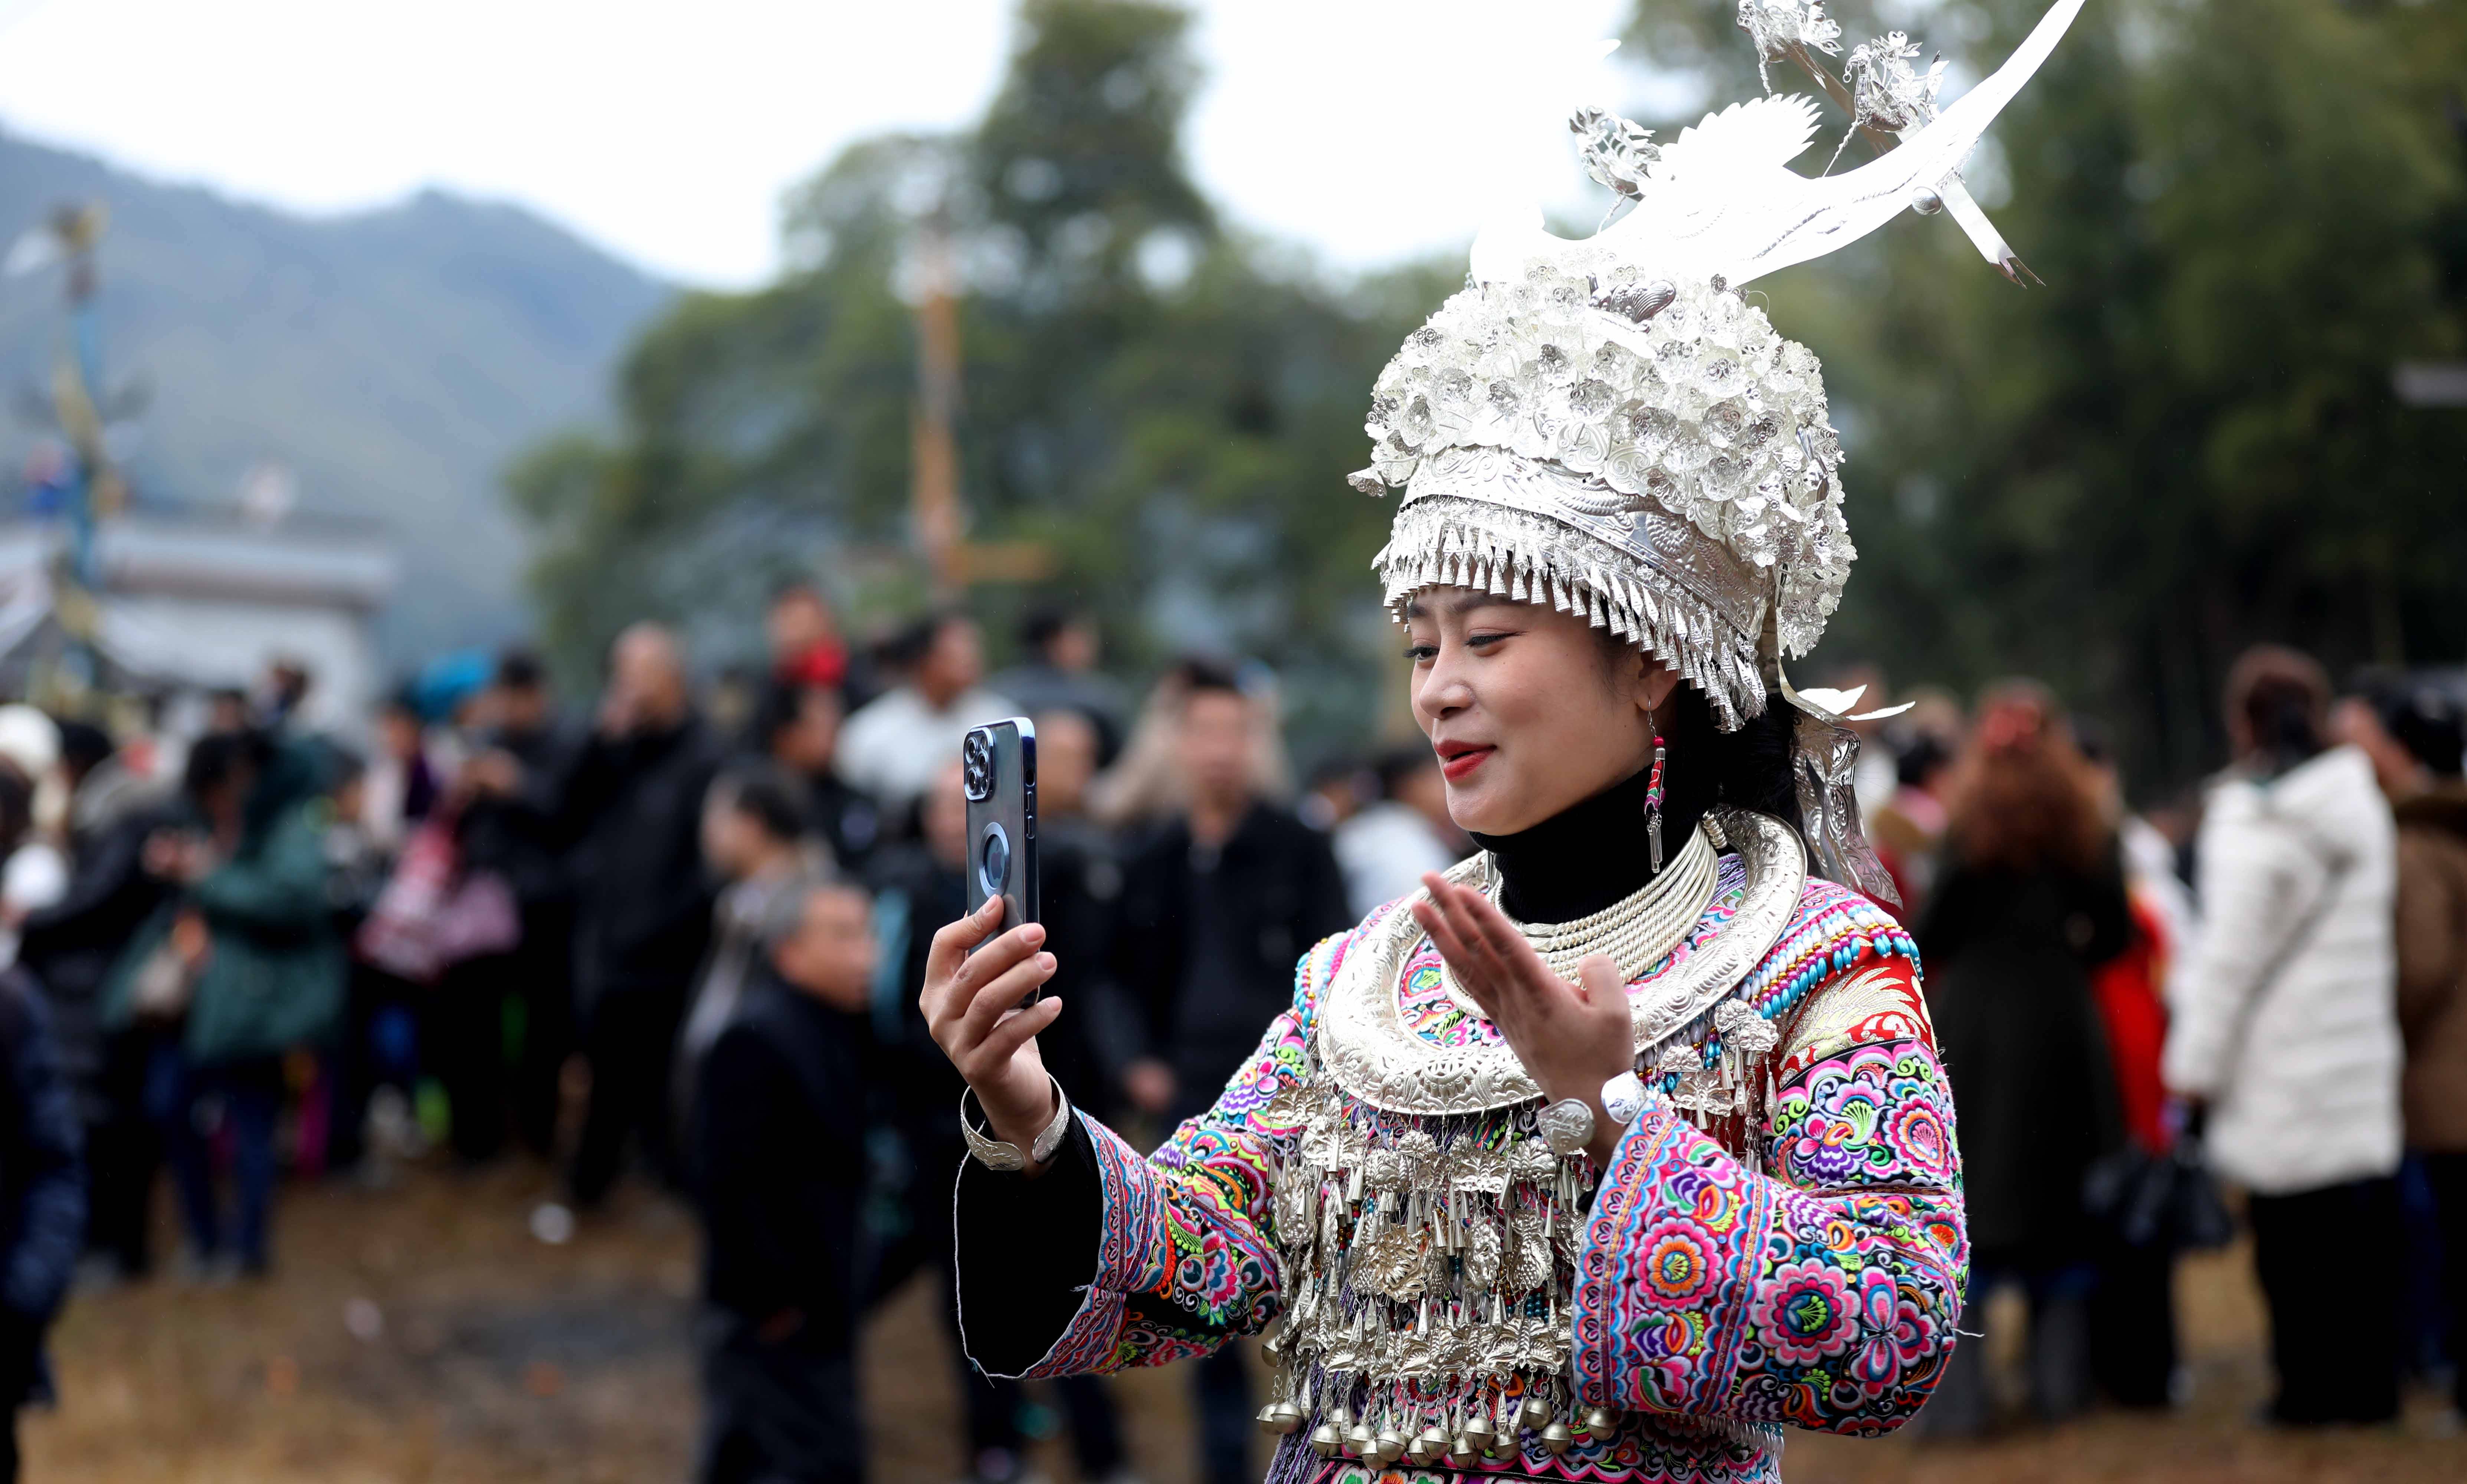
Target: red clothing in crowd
<point>2132,1003</point>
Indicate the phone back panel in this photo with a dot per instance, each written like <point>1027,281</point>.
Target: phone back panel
<point>999,771</point>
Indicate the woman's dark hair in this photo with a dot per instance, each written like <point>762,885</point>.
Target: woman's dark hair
<point>764,792</point>
<point>2279,705</point>
<point>1747,768</point>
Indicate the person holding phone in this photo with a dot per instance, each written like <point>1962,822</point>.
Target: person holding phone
<point>1624,1143</point>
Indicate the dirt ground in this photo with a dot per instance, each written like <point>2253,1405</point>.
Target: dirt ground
<point>420,1335</point>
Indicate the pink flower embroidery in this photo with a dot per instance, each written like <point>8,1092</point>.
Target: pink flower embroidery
<point>1677,1261</point>
<point>1805,1312</point>
<point>1916,1132</point>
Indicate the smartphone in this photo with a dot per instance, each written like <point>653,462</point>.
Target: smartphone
<point>998,768</point>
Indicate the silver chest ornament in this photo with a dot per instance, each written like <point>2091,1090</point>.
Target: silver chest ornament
<point>1428,1232</point>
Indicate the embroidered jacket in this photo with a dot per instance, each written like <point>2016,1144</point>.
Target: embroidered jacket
<point>1782,1243</point>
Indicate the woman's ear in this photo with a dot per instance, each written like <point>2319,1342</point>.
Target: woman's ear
<point>1654,682</point>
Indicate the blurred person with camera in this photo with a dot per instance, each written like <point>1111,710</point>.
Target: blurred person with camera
<point>2415,732</point>
<point>2029,898</point>
<point>779,1127</point>
<point>632,805</point>
<point>246,963</point>
<point>2286,1041</point>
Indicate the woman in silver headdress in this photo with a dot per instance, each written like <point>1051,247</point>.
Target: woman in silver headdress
<point>1625,1141</point>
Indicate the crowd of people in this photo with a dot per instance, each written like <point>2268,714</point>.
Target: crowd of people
<point>251,948</point>
<point>2259,987</point>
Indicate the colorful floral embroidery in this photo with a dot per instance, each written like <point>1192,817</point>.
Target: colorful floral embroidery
<point>1715,1299</point>
<point>1829,1307</point>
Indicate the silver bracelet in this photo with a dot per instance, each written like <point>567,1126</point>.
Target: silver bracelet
<point>1626,1097</point>
<point>1567,1126</point>
<point>996,1154</point>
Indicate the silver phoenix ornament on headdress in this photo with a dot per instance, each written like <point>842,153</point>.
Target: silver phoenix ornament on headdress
<point>1609,426</point>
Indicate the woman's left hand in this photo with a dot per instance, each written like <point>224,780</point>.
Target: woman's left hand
<point>1572,1038</point>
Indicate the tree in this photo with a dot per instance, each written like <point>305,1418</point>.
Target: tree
<point>1170,409</point>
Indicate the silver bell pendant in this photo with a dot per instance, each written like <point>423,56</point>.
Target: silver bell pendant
<point>1362,1442</point>
<point>1601,1422</point>
<point>1429,1447</point>
<point>1534,1415</point>
<point>1556,1439</point>
<point>1278,1419</point>
<point>1390,1446</point>
<point>1325,1440</point>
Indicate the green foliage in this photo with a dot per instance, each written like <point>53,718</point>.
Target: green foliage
<point>1167,407</point>
<point>2246,212</point>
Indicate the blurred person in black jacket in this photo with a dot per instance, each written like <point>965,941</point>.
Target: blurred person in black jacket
<point>508,794</point>
<point>778,1143</point>
<point>1216,909</point>
<point>796,725</point>
<point>2029,897</point>
<point>70,948</point>
<point>633,807</point>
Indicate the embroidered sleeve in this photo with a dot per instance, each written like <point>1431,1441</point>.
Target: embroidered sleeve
<point>1823,1292</point>
<point>1186,1258</point>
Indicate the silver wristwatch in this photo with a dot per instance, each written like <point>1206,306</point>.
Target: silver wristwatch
<point>996,1154</point>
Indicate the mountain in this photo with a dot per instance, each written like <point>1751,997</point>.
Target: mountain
<point>393,359</point>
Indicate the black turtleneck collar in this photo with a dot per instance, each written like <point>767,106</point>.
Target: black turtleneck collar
<point>1586,856</point>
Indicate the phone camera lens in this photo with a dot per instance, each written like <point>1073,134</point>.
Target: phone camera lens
<point>977,766</point>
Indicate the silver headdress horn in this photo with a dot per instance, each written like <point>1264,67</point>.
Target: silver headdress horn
<point>1609,426</point>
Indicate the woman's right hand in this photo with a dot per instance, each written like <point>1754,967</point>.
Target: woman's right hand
<point>972,1006</point>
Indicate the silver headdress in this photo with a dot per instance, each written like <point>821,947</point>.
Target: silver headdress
<point>1609,425</point>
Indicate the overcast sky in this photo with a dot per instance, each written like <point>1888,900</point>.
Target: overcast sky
<point>1367,128</point>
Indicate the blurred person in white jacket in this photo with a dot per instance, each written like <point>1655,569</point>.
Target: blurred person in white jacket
<point>2287,1037</point>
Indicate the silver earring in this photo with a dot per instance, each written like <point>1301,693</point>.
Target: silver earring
<point>1653,797</point>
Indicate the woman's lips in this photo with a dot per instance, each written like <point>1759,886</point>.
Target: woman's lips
<point>1455,765</point>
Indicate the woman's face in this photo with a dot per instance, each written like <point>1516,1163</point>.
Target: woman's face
<point>1527,709</point>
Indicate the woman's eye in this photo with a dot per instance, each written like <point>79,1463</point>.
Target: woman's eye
<point>1478,640</point>
<point>1422,654</point>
